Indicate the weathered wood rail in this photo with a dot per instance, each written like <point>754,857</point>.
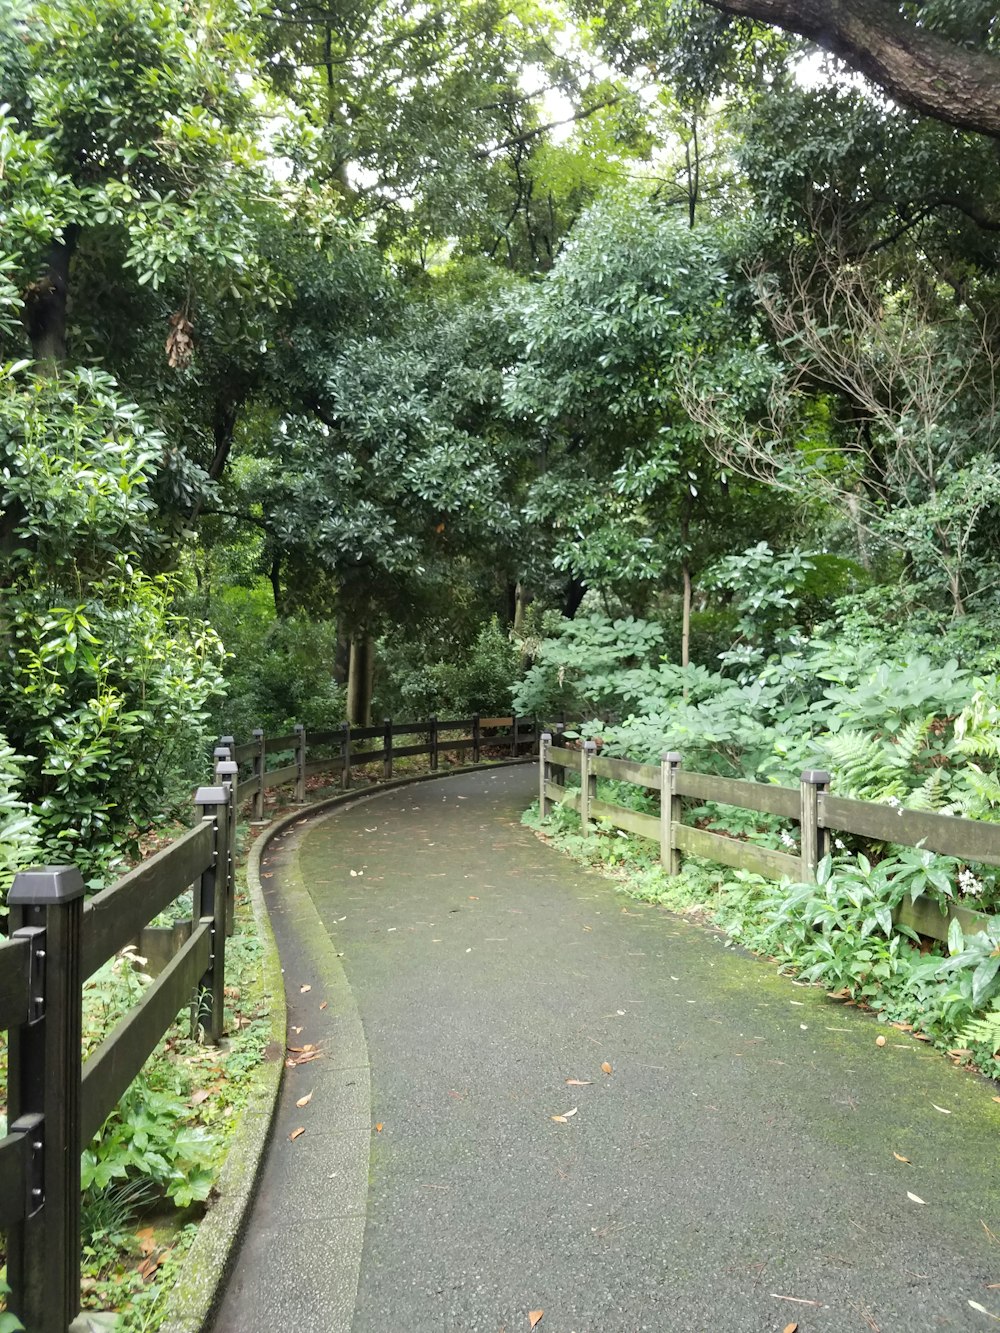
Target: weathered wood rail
<point>812,806</point>
<point>55,1101</point>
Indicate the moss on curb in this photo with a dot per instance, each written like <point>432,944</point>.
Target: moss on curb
<point>201,1280</point>
<point>194,1295</point>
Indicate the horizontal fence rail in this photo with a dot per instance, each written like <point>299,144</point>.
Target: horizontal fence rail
<point>812,806</point>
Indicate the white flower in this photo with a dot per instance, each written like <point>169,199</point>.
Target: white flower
<point>787,838</point>
<point>839,844</point>
<point>968,884</point>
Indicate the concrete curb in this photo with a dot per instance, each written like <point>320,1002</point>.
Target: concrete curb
<point>206,1265</point>
<point>201,1281</point>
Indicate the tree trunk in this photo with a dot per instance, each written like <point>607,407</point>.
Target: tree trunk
<point>45,305</point>
<point>360,679</point>
<point>919,68</point>
<point>686,616</point>
<point>275,576</point>
<point>522,600</point>
<point>573,595</point>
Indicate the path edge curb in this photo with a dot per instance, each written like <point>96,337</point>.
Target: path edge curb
<point>201,1281</point>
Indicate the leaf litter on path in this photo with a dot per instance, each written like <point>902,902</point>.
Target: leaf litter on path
<point>562,1119</point>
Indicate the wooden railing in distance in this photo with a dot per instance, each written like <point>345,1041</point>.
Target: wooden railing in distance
<point>267,762</point>
<point>55,1103</point>
<point>812,806</point>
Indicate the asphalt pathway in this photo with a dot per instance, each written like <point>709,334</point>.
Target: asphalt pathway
<point>729,1157</point>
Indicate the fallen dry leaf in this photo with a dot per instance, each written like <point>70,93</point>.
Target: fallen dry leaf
<point>303,989</point>
<point>983,1310</point>
<point>559,1119</point>
<point>880,1040</point>
<point>304,1101</point>
<point>791,1328</point>
<point>900,1158</point>
<point>378,1128</point>
<point>296,1132</point>
<point>324,1004</point>
<point>579,1082</point>
<point>200,1096</point>
<point>606,1068</point>
<point>942,1109</point>
<point>534,1316</point>
<point>915,1197</point>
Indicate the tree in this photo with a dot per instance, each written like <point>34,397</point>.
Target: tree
<point>911,385</point>
<point>401,478</point>
<point>627,496</point>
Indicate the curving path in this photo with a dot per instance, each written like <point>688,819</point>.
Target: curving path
<point>734,1172</point>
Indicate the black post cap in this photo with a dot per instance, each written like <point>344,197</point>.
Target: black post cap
<point>39,885</point>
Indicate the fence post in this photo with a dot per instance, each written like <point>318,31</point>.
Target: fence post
<point>387,748</point>
<point>227,775</point>
<point>558,773</point>
<point>432,742</point>
<point>588,783</point>
<point>812,838</point>
<point>345,754</point>
<point>544,774</point>
<point>670,811</point>
<point>259,769</point>
<point>210,904</point>
<point>300,763</point>
<point>514,737</point>
<point>477,738</point>
<point>43,1257</point>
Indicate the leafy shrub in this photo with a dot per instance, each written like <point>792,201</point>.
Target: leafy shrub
<point>103,685</point>
<point>106,698</point>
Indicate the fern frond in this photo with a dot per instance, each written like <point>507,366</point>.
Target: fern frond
<point>985,785</point>
<point>863,767</point>
<point>932,794</point>
<point>985,1030</point>
<point>911,740</point>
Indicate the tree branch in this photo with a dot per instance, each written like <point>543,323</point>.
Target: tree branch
<point>918,68</point>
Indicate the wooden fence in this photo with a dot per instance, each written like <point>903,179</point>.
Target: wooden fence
<point>268,762</point>
<point>812,805</point>
<point>56,1102</point>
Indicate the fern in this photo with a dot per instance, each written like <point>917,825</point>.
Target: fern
<point>986,789</point>
<point>984,1031</point>
<point>864,767</point>
<point>932,795</point>
<point>912,740</point>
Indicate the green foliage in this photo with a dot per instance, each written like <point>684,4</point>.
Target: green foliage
<point>18,826</point>
<point>147,1136</point>
<point>278,670</point>
<point>479,680</point>
<point>9,1323</point>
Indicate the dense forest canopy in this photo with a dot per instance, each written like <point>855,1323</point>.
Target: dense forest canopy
<point>351,355</point>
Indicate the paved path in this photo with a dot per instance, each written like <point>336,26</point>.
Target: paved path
<point>740,1153</point>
